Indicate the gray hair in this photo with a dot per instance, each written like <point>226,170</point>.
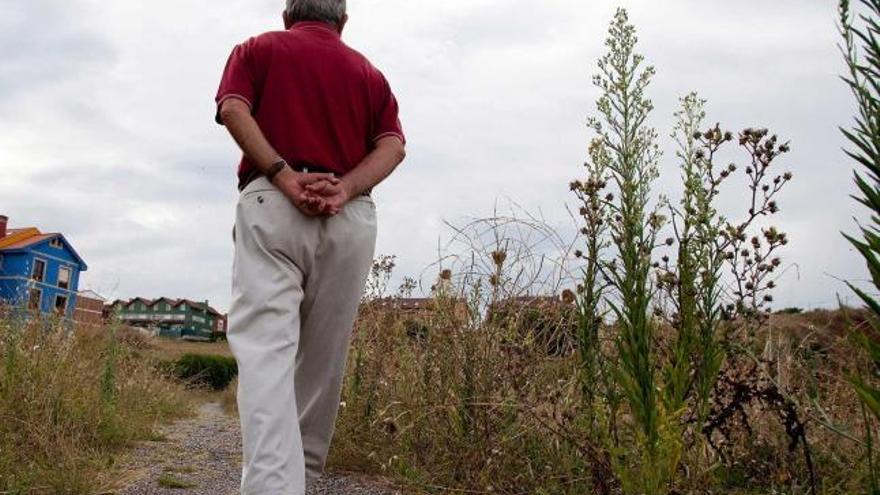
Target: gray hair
<point>330,11</point>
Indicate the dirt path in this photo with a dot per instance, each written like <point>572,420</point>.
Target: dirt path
<point>201,456</point>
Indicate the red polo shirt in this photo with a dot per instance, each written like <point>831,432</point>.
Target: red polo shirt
<point>315,99</point>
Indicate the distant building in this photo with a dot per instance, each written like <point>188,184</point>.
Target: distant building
<point>89,308</point>
<point>172,318</point>
<point>37,270</point>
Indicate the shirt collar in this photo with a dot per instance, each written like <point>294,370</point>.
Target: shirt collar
<point>314,26</point>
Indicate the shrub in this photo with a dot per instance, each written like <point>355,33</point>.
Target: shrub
<point>669,343</point>
<point>862,52</point>
<point>215,372</point>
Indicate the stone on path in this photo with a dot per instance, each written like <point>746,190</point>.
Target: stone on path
<point>202,456</point>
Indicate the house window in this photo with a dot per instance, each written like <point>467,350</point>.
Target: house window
<point>61,304</point>
<point>35,297</point>
<point>64,277</point>
<point>56,243</point>
<point>39,273</point>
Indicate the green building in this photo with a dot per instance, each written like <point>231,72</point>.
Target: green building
<point>172,318</point>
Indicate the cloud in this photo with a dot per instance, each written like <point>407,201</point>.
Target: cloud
<point>107,130</point>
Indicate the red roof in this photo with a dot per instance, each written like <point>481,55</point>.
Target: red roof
<point>172,302</point>
<point>30,241</point>
<point>23,238</point>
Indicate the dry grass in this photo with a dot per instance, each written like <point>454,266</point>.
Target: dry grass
<point>489,410</point>
<point>71,401</point>
<point>174,349</point>
<point>228,398</point>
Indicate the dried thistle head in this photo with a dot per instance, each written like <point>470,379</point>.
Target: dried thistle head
<point>498,257</point>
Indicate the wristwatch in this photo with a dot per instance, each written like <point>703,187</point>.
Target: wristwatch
<point>275,168</point>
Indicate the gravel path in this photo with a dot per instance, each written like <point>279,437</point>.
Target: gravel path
<point>202,456</point>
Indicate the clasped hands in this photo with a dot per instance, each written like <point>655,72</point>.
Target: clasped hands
<point>314,194</point>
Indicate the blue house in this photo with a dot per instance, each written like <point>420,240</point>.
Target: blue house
<point>38,271</point>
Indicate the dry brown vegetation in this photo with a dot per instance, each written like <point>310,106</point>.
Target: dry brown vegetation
<point>489,410</point>
<point>174,349</point>
<point>71,401</point>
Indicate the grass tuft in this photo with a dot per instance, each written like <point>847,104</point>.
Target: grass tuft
<point>71,400</point>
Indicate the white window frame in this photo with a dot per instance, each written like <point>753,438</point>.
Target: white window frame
<point>42,278</point>
<point>56,243</point>
<point>69,276</point>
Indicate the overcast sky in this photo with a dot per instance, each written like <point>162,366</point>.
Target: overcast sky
<point>106,130</point>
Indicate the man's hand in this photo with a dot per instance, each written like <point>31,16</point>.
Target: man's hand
<point>296,186</point>
<point>333,195</point>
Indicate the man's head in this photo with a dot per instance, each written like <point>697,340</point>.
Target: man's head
<point>330,11</point>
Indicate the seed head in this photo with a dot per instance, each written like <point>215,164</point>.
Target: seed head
<point>499,257</point>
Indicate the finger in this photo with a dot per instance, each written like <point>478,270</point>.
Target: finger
<point>332,179</point>
<point>319,187</point>
<point>326,189</point>
<point>307,179</point>
<point>311,205</point>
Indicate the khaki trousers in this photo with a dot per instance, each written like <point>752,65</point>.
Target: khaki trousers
<point>297,284</point>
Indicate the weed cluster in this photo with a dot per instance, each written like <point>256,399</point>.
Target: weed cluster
<point>70,401</point>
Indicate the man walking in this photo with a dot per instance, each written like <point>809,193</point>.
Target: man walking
<point>318,126</point>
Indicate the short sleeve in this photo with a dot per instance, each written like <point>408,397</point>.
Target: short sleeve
<point>240,77</point>
<point>386,118</point>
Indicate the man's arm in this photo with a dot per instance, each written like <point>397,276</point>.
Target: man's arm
<point>236,116</point>
<point>373,169</point>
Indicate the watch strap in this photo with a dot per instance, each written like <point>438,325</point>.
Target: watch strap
<point>275,169</point>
